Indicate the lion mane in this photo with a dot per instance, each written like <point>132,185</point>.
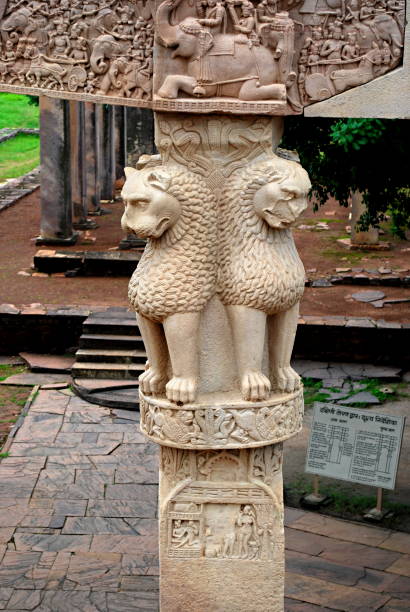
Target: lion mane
<point>177,272</point>
<point>259,266</point>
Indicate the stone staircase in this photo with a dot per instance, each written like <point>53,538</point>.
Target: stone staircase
<point>111,347</point>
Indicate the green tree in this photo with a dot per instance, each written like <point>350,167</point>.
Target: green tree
<point>366,155</point>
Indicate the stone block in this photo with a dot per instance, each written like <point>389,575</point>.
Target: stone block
<point>399,542</point>
<point>341,530</point>
<point>300,563</point>
<point>15,569</point>
<point>140,583</point>
<point>401,566</point>
<point>52,543</point>
<point>336,596</point>
<point>101,572</point>
<point>141,601</point>
<point>139,508</point>
<point>351,553</point>
<point>374,580</point>
<point>130,544</point>
<point>25,600</point>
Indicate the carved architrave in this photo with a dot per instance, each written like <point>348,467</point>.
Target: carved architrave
<point>270,56</point>
<point>266,57</point>
<point>79,49</point>
<point>236,424</point>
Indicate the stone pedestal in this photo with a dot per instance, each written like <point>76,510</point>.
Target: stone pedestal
<point>217,294</point>
<point>56,225</point>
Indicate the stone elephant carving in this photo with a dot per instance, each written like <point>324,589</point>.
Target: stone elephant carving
<point>381,27</point>
<point>217,65</point>
<point>104,48</point>
<point>16,22</point>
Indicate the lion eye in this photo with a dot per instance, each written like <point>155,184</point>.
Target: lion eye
<point>139,202</point>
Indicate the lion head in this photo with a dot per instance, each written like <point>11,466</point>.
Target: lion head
<point>278,192</point>
<point>150,207</point>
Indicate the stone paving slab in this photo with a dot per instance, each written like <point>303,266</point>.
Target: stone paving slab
<point>78,525</point>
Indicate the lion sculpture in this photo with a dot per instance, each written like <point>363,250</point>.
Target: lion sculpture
<point>176,212</point>
<point>260,275</point>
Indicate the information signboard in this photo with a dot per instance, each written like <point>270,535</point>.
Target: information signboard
<point>356,445</point>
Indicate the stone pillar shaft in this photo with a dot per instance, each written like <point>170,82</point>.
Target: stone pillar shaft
<point>371,236</point>
<point>108,170</point>
<point>217,293</point>
<point>77,156</point>
<point>120,140</point>
<point>56,204</point>
<point>221,530</point>
<point>92,147</point>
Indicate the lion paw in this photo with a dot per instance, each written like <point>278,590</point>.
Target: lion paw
<point>152,382</point>
<point>286,379</point>
<point>181,390</point>
<point>255,386</point>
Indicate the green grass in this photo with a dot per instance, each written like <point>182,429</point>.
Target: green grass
<point>344,501</point>
<point>19,155</point>
<point>311,392</point>
<point>16,112</point>
<point>4,455</point>
<point>9,370</point>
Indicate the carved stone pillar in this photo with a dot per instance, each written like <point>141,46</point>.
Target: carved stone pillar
<point>217,294</point>
<point>56,225</point>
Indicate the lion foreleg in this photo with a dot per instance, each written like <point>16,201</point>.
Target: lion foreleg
<point>282,331</point>
<point>154,379</point>
<point>248,329</point>
<point>181,331</point>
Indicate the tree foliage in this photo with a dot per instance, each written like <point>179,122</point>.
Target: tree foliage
<point>366,155</point>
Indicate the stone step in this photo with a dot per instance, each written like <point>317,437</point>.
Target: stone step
<point>111,341</point>
<point>114,312</point>
<point>119,326</point>
<point>107,370</point>
<point>109,356</point>
<point>87,263</point>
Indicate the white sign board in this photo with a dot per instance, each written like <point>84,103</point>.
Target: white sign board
<point>356,445</point>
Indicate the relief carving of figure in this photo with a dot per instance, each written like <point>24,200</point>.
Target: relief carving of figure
<point>176,212</point>
<point>185,534</point>
<point>261,278</point>
<point>246,529</point>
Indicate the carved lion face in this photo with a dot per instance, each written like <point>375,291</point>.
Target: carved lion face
<point>280,204</point>
<point>149,209</point>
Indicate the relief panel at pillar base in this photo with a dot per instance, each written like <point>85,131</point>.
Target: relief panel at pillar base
<point>221,530</point>
<point>269,57</point>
